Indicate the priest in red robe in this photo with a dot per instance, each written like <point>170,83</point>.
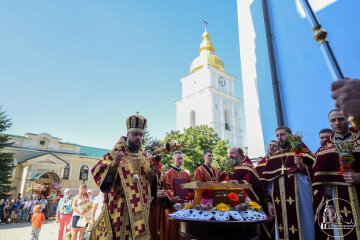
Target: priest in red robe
<point>271,148</point>
<point>206,172</point>
<point>124,175</point>
<point>159,202</point>
<point>287,176</point>
<point>246,173</point>
<point>172,227</point>
<point>335,193</point>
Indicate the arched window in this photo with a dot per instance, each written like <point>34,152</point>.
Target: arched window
<point>84,172</point>
<point>192,119</point>
<point>227,122</point>
<point>66,172</point>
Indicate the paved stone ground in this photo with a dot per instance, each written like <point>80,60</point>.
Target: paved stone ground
<point>21,231</point>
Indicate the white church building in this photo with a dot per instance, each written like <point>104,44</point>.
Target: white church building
<point>208,97</point>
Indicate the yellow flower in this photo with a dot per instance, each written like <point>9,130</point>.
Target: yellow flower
<point>254,205</point>
<point>222,207</point>
<point>188,206</point>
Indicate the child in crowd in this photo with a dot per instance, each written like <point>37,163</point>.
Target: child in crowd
<point>37,219</point>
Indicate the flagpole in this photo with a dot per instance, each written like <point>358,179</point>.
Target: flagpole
<point>320,36</point>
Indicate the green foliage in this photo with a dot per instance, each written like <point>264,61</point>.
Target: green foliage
<point>197,139</point>
<point>147,138</point>
<point>6,159</point>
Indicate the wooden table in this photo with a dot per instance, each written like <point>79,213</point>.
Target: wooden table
<point>212,229</point>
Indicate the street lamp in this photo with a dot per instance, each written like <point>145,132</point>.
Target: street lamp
<point>84,177</point>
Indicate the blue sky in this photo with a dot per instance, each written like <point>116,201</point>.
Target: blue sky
<point>76,69</point>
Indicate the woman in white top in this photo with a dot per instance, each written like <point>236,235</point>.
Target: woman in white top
<point>78,205</point>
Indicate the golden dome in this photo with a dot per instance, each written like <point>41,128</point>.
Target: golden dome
<point>207,56</point>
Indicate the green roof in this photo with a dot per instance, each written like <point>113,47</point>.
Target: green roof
<point>93,152</point>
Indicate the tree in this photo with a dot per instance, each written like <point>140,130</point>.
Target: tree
<point>147,138</point>
<point>6,159</point>
<point>197,139</point>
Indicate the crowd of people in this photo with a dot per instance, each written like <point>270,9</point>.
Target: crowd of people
<point>298,188</point>
<point>77,214</point>
<point>15,210</point>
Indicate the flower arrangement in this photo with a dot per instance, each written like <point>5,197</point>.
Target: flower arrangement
<point>222,207</point>
<point>229,168</point>
<point>39,187</point>
<point>233,199</point>
<point>206,197</point>
<point>295,141</point>
<point>68,235</point>
<point>346,158</point>
<point>56,187</point>
<point>254,205</point>
<point>190,197</point>
<point>188,206</point>
<point>30,189</point>
<point>87,206</point>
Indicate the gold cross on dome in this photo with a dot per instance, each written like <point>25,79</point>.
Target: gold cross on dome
<point>290,200</point>
<point>277,200</point>
<point>280,228</point>
<point>206,23</point>
<point>293,229</point>
<point>345,211</point>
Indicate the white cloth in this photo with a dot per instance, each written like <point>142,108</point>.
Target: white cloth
<point>99,200</point>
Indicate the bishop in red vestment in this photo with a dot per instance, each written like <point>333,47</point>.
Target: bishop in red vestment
<point>335,192</point>
<point>206,172</point>
<point>124,175</point>
<point>172,227</point>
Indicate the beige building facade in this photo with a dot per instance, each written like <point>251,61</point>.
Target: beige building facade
<point>42,158</point>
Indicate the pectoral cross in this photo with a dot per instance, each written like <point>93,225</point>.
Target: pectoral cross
<point>283,168</point>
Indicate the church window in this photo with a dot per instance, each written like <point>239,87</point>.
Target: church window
<point>226,117</point>
<point>66,171</point>
<point>84,172</point>
<point>42,142</point>
<point>192,119</point>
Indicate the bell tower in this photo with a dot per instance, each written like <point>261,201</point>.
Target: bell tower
<point>208,97</point>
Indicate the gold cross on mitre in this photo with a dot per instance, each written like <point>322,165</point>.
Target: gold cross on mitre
<point>137,112</point>
<point>206,23</point>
